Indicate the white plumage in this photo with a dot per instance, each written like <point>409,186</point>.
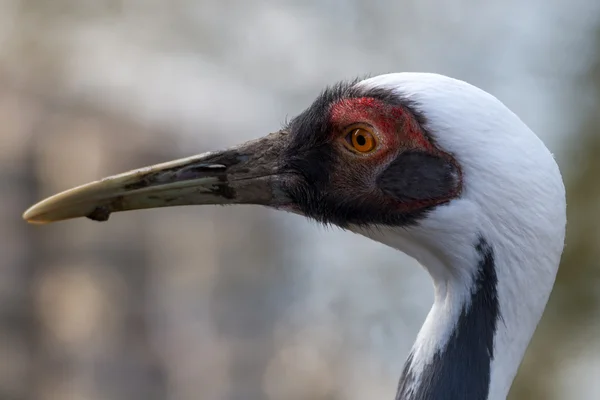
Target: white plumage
<point>512,191</point>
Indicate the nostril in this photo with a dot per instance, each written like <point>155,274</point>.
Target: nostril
<point>199,171</point>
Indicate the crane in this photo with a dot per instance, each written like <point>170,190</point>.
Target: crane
<point>427,164</point>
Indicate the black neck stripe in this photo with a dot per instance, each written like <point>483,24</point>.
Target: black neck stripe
<point>462,369</point>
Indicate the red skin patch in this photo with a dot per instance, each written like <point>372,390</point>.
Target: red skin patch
<point>395,126</point>
<point>396,130</point>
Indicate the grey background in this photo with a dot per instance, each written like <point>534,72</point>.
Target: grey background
<point>243,302</point>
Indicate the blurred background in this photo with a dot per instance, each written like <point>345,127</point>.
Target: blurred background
<point>242,302</point>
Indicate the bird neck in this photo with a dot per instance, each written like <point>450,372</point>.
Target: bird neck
<point>457,338</point>
<point>490,292</point>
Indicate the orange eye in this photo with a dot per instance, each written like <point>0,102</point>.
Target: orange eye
<point>361,140</point>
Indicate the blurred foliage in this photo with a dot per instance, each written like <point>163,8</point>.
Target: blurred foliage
<point>573,310</point>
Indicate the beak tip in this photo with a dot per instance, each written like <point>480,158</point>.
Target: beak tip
<point>67,205</point>
<point>32,217</point>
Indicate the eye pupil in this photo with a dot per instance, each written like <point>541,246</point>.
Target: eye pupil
<point>361,140</point>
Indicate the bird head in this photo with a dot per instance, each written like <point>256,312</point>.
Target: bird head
<point>432,158</point>
<point>359,155</point>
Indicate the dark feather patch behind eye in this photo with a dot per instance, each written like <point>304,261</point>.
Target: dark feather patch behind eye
<point>418,176</point>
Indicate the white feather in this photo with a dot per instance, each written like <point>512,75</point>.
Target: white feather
<point>512,192</point>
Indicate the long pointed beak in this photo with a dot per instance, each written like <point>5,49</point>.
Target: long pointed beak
<point>245,174</point>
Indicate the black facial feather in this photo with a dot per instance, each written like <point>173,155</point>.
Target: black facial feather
<point>314,164</point>
<point>419,176</point>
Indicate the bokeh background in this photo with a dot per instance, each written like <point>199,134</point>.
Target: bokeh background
<point>242,302</point>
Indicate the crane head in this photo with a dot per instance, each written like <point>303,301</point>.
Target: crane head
<point>356,156</point>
